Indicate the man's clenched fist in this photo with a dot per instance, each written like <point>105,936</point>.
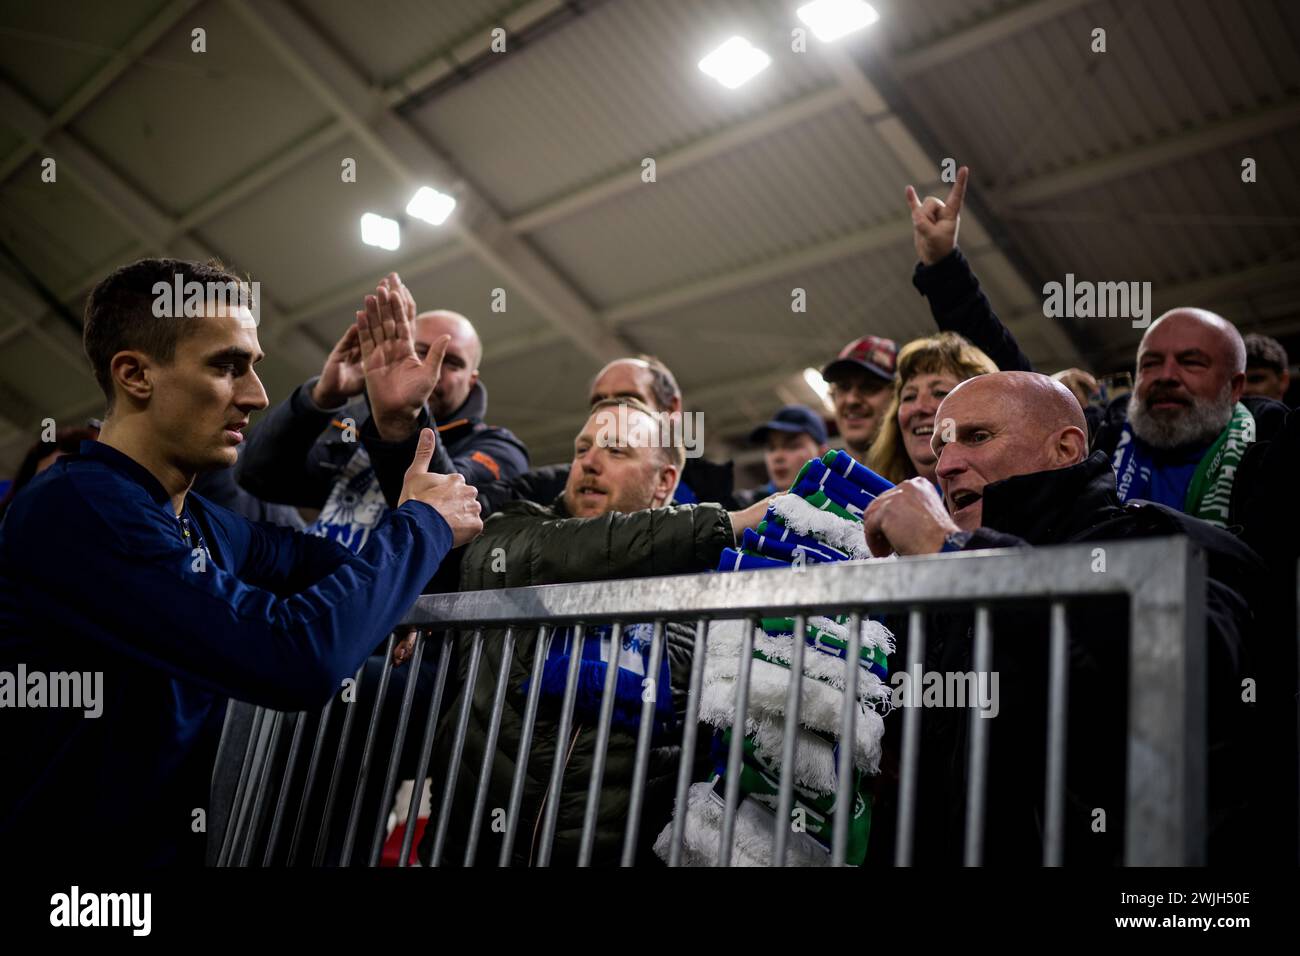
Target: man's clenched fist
<point>908,519</point>
<point>456,501</point>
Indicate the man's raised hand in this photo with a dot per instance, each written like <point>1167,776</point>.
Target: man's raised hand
<point>342,376</point>
<point>456,501</point>
<point>935,222</point>
<point>397,382</point>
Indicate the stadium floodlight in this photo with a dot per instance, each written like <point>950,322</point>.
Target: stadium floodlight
<point>814,380</point>
<point>832,19</point>
<point>431,206</point>
<point>380,231</point>
<point>735,62</point>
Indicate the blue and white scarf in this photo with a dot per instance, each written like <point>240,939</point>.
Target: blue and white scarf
<point>632,685</point>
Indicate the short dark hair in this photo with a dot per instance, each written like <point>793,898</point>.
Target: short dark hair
<point>120,313</point>
<point>1265,352</point>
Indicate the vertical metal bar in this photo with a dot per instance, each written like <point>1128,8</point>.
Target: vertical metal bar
<point>977,764</point>
<point>426,747</point>
<point>457,748</point>
<point>911,759</point>
<point>540,650</point>
<point>689,733</point>
<point>844,796</point>
<point>245,770</point>
<point>1164,821</point>
<point>789,741</point>
<point>561,749</point>
<point>641,764</point>
<point>603,725</point>
<point>259,802</point>
<point>367,748</point>
<point>735,753</point>
<point>490,747</point>
<point>395,754</point>
<point>322,834</point>
<point>282,801</point>
<point>309,782</point>
<point>254,776</point>
<point>1058,689</point>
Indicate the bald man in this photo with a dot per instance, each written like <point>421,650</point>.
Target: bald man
<point>338,441</point>
<point>1014,471</point>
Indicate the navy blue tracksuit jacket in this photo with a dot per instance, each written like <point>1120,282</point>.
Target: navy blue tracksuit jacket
<point>97,574</point>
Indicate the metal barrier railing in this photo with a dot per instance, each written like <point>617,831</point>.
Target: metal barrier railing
<point>1165,781</point>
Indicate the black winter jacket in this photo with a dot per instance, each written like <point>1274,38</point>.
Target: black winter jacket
<point>543,545</point>
<point>1078,504</point>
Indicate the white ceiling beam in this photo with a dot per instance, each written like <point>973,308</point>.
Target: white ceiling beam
<point>134,48</point>
<point>984,34</point>
<point>1131,162</point>
<point>880,236</point>
<point>683,158</point>
<point>153,228</point>
<point>907,149</point>
<point>302,50</point>
<point>470,49</point>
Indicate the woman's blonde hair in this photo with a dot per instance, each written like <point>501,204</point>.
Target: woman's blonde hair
<point>932,355</point>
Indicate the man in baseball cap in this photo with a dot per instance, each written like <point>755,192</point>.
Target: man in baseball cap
<point>861,380</point>
<point>795,434</point>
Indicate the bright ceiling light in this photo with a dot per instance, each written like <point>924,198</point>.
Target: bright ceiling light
<point>832,19</point>
<point>818,384</point>
<point>380,231</point>
<point>735,62</point>
<point>430,205</point>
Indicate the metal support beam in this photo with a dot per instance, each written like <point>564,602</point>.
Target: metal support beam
<point>334,81</point>
<point>982,35</point>
<point>1131,162</point>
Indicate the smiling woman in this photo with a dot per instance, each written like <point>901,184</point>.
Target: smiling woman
<point>928,369</point>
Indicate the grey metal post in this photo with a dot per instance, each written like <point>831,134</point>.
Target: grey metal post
<point>541,648</point>
<point>367,748</point>
<point>845,802</point>
<point>735,752</point>
<point>603,725</point>
<point>977,764</point>
<point>490,747</point>
<point>789,742</point>
<point>395,755</point>
<point>641,763</point>
<point>911,759</point>
<point>426,747</point>
<point>1058,690</point>
<point>689,734</point>
<point>552,810</point>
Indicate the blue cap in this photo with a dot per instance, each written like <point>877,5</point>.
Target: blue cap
<point>792,419</point>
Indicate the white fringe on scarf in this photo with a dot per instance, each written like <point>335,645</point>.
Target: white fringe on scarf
<point>755,826</point>
<point>802,518</point>
<point>815,765</point>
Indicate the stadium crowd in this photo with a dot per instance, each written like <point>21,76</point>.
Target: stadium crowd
<point>193,564</point>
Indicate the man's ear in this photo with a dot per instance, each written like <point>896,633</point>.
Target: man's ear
<point>1286,380</point>
<point>132,372</point>
<point>665,485</point>
<point>1070,447</point>
<point>1238,386</point>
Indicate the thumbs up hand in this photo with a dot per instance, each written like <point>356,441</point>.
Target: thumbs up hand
<point>456,501</point>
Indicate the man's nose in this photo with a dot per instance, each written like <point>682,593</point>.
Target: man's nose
<point>253,396</point>
<point>952,462</point>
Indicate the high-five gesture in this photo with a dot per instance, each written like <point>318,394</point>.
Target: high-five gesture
<point>397,382</point>
<point>342,377</point>
<point>935,222</point>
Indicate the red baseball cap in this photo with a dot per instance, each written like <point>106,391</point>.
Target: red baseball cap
<point>871,353</point>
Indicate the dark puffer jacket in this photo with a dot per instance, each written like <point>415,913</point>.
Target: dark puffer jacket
<point>543,545</point>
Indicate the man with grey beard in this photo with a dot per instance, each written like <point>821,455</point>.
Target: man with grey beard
<point>1187,427</point>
